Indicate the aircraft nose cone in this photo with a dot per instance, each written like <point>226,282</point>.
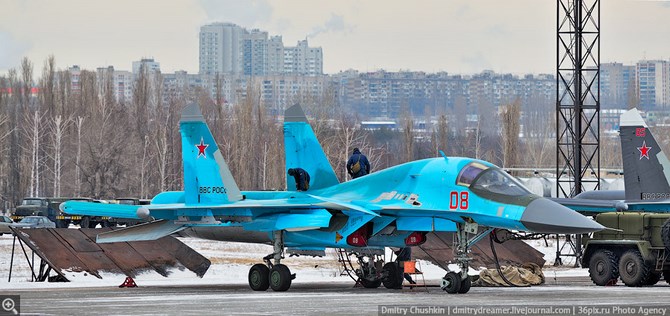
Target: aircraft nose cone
<point>546,216</point>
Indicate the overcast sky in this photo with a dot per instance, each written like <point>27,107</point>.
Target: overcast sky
<point>457,36</point>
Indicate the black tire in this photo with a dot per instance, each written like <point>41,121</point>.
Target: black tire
<point>85,222</point>
<point>106,224</point>
<point>280,278</point>
<point>604,267</point>
<point>666,276</point>
<point>632,268</point>
<point>61,223</point>
<point>652,278</point>
<point>371,284</point>
<point>665,234</point>
<point>451,283</point>
<point>259,277</point>
<point>465,285</point>
<point>391,279</point>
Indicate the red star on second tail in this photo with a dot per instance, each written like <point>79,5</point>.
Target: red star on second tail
<point>201,148</point>
<point>644,150</point>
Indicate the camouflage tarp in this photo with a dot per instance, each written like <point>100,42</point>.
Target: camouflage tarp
<point>526,275</point>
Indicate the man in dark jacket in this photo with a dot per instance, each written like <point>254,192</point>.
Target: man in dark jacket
<point>301,178</point>
<point>358,165</point>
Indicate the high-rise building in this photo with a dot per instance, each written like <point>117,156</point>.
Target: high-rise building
<point>617,85</point>
<point>653,83</point>
<point>303,59</point>
<point>255,53</point>
<point>275,55</point>
<point>148,63</point>
<point>75,78</point>
<point>226,48</point>
<point>220,48</point>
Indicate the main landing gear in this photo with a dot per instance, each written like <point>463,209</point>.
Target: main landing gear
<point>459,282</point>
<point>272,274</point>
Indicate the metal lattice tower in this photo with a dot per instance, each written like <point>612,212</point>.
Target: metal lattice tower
<point>578,96</point>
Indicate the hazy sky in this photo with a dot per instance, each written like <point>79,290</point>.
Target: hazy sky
<point>458,36</point>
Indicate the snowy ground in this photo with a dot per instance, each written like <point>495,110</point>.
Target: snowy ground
<point>230,265</point>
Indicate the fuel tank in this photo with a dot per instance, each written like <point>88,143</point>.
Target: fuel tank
<point>235,234</point>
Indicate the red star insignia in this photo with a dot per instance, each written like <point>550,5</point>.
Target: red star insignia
<point>201,148</point>
<point>644,150</point>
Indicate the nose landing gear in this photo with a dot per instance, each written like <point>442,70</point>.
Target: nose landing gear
<point>459,282</point>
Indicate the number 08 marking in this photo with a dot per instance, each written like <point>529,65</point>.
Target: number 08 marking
<point>458,200</point>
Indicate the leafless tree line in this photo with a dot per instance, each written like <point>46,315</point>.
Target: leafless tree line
<point>67,141</point>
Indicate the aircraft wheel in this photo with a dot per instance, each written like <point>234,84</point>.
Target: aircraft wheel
<point>603,268</point>
<point>391,274</point>
<point>451,283</point>
<point>633,269</point>
<point>371,284</point>
<point>259,277</point>
<point>280,278</point>
<point>465,285</point>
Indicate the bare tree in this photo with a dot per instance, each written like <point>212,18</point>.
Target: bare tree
<point>441,134</point>
<point>47,85</point>
<point>58,126</point>
<point>27,76</point>
<point>161,144</point>
<point>510,117</point>
<point>77,178</point>
<point>32,130</point>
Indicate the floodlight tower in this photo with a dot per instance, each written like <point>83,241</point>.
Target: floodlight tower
<point>577,99</point>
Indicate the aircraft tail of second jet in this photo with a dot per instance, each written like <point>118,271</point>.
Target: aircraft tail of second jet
<point>303,150</point>
<point>207,178</point>
<point>646,167</point>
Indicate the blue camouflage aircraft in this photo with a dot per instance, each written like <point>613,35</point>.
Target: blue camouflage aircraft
<point>395,207</point>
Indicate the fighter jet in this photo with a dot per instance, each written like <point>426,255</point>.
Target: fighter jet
<point>395,207</point>
<point>646,170</point>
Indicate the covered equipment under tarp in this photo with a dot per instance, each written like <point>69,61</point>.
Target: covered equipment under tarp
<point>439,250</point>
<point>74,250</point>
<point>526,275</point>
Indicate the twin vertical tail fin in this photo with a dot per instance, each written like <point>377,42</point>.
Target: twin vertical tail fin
<point>207,178</point>
<point>303,150</point>
<point>646,168</point>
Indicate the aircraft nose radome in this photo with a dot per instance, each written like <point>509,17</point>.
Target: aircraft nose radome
<point>546,216</point>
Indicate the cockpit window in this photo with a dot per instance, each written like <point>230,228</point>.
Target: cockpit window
<point>469,173</point>
<point>496,181</point>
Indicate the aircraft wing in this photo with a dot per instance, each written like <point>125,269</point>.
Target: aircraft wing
<point>310,202</point>
<point>265,215</point>
<point>130,211</point>
<point>591,207</point>
<point>649,205</point>
<point>296,214</point>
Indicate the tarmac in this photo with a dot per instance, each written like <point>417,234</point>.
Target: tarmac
<point>561,296</point>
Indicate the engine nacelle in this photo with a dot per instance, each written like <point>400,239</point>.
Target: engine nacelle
<point>360,237</point>
<point>415,239</point>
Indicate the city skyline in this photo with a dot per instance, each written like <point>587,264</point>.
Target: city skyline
<point>506,37</point>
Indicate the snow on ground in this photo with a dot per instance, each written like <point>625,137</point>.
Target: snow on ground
<point>231,263</point>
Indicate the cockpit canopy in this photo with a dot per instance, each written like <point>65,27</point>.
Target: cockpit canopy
<point>484,180</point>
